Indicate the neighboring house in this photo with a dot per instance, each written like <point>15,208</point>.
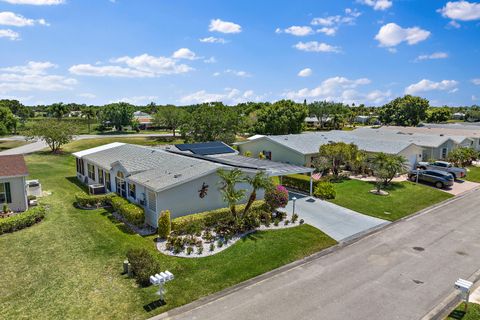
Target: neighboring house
<point>183,182</point>
<point>302,149</point>
<point>458,116</point>
<point>13,189</point>
<point>312,121</point>
<point>144,119</point>
<point>362,119</point>
<point>75,114</point>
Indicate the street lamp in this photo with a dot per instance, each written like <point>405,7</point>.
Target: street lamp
<point>294,199</point>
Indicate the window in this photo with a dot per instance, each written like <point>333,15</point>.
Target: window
<point>131,190</point>
<point>108,184</point>
<point>267,154</point>
<point>444,153</point>
<point>91,171</point>
<point>120,184</point>
<point>100,176</point>
<point>80,168</point>
<point>152,205</point>
<point>5,195</point>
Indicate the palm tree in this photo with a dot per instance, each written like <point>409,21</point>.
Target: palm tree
<point>230,195</point>
<point>259,181</point>
<point>387,166</point>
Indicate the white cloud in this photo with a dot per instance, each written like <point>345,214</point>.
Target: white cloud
<point>141,66</point>
<point>224,26</point>
<point>432,56</point>
<point>330,24</point>
<point>341,89</point>
<point>184,53</point>
<point>461,10</point>
<point>33,76</point>
<point>228,96</point>
<point>314,46</point>
<point>9,34</point>
<point>136,100</point>
<point>8,18</point>
<point>216,74</point>
<point>307,72</point>
<point>210,60</point>
<point>87,95</point>
<point>238,73</point>
<point>392,34</point>
<point>476,81</point>
<point>428,85</point>
<point>36,2</point>
<point>378,4</point>
<point>454,24</point>
<point>299,31</point>
<point>213,40</point>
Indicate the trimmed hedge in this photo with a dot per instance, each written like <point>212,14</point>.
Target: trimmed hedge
<point>325,190</point>
<point>93,201</point>
<point>209,219</point>
<point>299,182</point>
<point>164,225</point>
<point>22,220</point>
<point>128,210</point>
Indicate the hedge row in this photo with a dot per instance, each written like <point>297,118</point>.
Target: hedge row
<point>128,210</point>
<point>93,201</point>
<point>21,220</point>
<point>299,182</point>
<point>210,218</point>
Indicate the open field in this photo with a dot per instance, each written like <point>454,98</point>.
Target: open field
<point>5,145</point>
<point>404,198</point>
<point>69,265</point>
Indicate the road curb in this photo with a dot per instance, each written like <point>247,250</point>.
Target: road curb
<point>309,259</point>
<point>444,308</point>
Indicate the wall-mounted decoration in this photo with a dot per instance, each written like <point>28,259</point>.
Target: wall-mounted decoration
<point>203,191</point>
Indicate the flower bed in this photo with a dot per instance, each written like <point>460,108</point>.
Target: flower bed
<point>21,220</point>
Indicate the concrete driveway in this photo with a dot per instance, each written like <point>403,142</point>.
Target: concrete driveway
<point>338,222</point>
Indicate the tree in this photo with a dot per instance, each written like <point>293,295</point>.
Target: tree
<point>17,109</point>
<point>8,122</point>
<point>231,195</point>
<point>164,225</point>
<point>335,154</point>
<point>276,197</point>
<point>386,166</point>
<point>89,113</point>
<point>118,114</point>
<point>259,181</point>
<point>211,122</point>
<point>437,115</point>
<point>170,117</point>
<point>462,157</point>
<point>58,110</point>
<point>282,117</point>
<point>405,111</point>
<point>54,133</point>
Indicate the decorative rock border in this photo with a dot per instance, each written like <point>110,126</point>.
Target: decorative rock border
<point>161,244</point>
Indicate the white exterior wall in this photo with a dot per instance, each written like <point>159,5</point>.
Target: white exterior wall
<point>413,154</point>
<point>279,153</point>
<point>184,199</point>
<point>18,192</point>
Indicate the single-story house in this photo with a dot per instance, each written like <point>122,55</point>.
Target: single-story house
<point>301,149</point>
<point>144,119</point>
<point>362,119</point>
<point>13,188</point>
<point>182,181</point>
<point>458,116</point>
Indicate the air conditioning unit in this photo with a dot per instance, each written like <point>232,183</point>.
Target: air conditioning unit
<point>96,189</point>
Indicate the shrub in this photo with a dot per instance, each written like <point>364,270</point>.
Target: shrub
<point>189,250</point>
<point>294,217</point>
<point>325,190</point>
<point>301,221</point>
<point>5,208</point>
<point>200,250</point>
<point>21,220</point>
<point>143,265</point>
<point>93,201</point>
<point>212,246</point>
<point>129,211</point>
<point>208,236</point>
<point>191,223</point>
<point>164,224</point>
<point>276,222</point>
<point>219,243</point>
<point>286,222</point>
<point>298,181</point>
<point>277,197</point>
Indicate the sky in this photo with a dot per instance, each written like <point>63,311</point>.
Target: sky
<point>188,51</point>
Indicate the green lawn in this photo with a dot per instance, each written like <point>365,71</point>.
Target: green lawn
<point>473,174</point>
<point>473,312</point>
<point>404,199</point>
<point>69,265</point>
<point>5,145</point>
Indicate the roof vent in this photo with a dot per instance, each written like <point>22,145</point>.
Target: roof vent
<point>441,134</point>
<point>178,175</point>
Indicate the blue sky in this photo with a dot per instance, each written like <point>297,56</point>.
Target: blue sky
<point>183,52</point>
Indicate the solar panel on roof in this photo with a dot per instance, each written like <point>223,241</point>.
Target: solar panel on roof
<point>205,148</point>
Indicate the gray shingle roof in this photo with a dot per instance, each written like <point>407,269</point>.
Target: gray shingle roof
<point>309,143</point>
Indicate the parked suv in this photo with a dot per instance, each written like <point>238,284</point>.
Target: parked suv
<point>457,173</point>
<point>439,179</point>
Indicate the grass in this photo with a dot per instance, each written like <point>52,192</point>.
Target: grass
<point>91,143</point>
<point>473,312</point>
<point>5,145</point>
<point>404,198</point>
<point>473,174</point>
<point>69,265</point>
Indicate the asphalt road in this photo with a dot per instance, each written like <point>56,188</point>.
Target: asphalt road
<point>401,272</point>
<point>40,144</point>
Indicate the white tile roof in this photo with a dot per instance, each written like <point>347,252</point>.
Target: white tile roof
<point>82,153</point>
